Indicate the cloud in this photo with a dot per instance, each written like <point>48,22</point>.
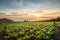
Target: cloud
<point>30,6</point>
<point>19,2</point>
<point>51,15</point>
<point>2,14</point>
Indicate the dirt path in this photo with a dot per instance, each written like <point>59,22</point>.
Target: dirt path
<point>57,34</point>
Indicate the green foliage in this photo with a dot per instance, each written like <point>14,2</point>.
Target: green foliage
<point>27,31</point>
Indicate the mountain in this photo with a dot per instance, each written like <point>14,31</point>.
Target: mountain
<point>5,20</point>
<point>27,19</point>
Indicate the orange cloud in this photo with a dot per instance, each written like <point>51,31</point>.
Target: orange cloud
<point>51,15</point>
<point>33,14</point>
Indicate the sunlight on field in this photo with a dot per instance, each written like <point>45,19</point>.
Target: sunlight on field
<point>27,30</point>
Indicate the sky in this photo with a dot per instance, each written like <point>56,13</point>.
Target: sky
<point>29,8</point>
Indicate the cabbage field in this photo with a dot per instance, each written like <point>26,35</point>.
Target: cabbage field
<point>27,31</point>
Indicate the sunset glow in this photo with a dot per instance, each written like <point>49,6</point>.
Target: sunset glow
<point>29,8</point>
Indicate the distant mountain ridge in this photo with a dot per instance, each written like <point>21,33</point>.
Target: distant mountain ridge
<point>17,20</point>
<point>5,20</point>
